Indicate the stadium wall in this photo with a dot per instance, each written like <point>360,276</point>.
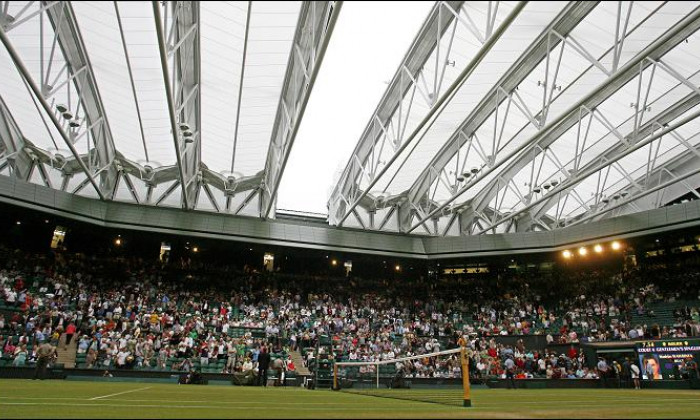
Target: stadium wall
<point>318,235</point>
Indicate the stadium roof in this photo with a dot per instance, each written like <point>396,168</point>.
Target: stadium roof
<point>501,117</point>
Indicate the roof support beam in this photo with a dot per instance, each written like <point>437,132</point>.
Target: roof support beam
<point>681,163</point>
<point>37,91</point>
<point>349,181</point>
<point>131,79</point>
<point>184,120</point>
<point>12,146</point>
<point>674,180</point>
<point>240,90</point>
<point>374,138</point>
<point>564,23</point>
<point>520,157</point>
<point>314,29</point>
<point>401,86</point>
<point>644,131</point>
<point>79,69</point>
<point>595,168</point>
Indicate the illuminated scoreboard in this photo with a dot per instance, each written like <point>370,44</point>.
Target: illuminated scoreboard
<point>664,359</point>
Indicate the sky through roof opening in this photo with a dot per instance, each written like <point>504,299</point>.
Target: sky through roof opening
<point>360,61</point>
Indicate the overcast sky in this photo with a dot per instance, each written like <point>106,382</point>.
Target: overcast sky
<point>369,40</point>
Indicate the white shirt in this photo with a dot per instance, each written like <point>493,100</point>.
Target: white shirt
<point>121,357</point>
<point>634,370</point>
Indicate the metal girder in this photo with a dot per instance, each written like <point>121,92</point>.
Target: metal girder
<point>637,132</point>
<point>182,22</point>
<point>187,74</point>
<point>129,68</point>
<point>64,23</point>
<point>420,51</point>
<point>467,223</point>
<point>675,179</point>
<point>563,24</point>
<point>521,156</point>
<point>682,163</point>
<point>338,203</point>
<point>13,146</point>
<point>644,131</point>
<point>39,93</point>
<point>314,28</point>
<point>596,168</point>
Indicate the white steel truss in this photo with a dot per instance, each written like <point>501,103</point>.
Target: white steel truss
<point>505,91</point>
<point>65,89</point>
<point>526,154</point>
<point>571,173</point>
<point>316,22</point>
<point>578,126</point>
<point>481,160</point>
<point>415,97</point>
<point>65,94</point>
<point>180,61</point>
<point>15,153</point>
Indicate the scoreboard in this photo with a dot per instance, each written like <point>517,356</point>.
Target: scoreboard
<point>665,355</point>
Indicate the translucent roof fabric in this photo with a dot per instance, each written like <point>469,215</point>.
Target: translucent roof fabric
<point>225,64</point>
<point>270,34</point>
<point>502,113</point>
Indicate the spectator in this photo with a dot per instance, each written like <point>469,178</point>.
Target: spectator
<point>263,365</point>
<point>44,355</point>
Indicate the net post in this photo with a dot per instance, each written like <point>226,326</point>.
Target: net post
<point>335,377</point>
<point>464,358</point>
<point>377,367</point>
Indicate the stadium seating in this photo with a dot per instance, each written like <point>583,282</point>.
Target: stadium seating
<point>201,301</point>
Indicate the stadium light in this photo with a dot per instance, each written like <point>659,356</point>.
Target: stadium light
<point>615,245</point>
<point>118,241</point>
<point>598,248</point>
<point>19,223</point>
<point>195,249</point>
<point>397,268</point>
<point>582,251</point>
<point>334,262</point>
<point>567,254</point>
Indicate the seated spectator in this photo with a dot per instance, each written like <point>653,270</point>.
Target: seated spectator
<point>20,356</point>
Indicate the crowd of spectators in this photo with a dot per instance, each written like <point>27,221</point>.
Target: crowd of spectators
<point>131,313</point>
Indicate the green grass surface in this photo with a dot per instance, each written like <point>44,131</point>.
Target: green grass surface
<point>68,399</point>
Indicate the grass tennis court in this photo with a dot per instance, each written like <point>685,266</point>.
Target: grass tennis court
<point>61,399</point>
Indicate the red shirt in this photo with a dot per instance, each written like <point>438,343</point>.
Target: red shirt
<point>70,329</point>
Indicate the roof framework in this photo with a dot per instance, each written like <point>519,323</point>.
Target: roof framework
<point>132,101</point>
<point>592,115</point>
<point>503,116</point>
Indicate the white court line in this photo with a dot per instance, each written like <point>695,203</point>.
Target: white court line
<point>396,400</point>
<point>120,393</point>
<point>249,407</point>
<point>276,407</point>
<point>221,403</point>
